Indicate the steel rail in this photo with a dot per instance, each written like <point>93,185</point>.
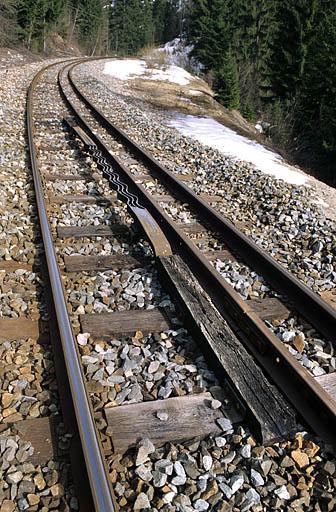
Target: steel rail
<point>94,457</point>
<point>308,397</point>
<point>310,305</point>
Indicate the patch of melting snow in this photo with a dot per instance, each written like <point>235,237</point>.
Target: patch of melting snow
<point>125,69</point>
<point>194,92</point>
<point>210,132</point>
<point>128,69</point>
<point>178,52</point>
<point>171,74</point>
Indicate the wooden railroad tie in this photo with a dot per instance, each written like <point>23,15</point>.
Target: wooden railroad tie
<point>65,177</point>
<point>124,323</point>
<point>193,228</point>
<point>12,265</point>
<point>22,328</point>
<point>209,198</point>
<point>62,199</point>
<point>166,198</point>
<point>223,254</point>
<point>270,308</point>
<point>188,417</point>
<point>77,263</point>
<point>268,413</point>
<point>91,231</point>
<point>40,432</point>
<point>328,382</point>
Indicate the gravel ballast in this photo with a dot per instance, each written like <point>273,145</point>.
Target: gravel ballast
<point>226,472</point>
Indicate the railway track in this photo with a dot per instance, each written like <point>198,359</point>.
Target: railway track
<point>96,241</point>
<point>297,296</point>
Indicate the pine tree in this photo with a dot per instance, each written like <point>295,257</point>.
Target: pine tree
<point>8,23</point>
<point>159,15</point>
<point>118,26</point>
<point>36,18</point>
<point>226,82</point>
<point>296,20</point>
<point>90,20</point>
<point>316,112</point>
<point>210,32</point>
<point>166,20</point>
<point>148,23</point>
<point>173,21</point>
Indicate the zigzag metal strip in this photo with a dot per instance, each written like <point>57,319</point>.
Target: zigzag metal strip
<point>113,177</point>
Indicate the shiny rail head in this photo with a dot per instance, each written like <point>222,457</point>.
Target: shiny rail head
<point>100,483</point>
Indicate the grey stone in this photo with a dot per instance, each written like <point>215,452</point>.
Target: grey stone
<point>180,478</point>
<point>251,498</point>
<point>26,487</point>
<point>220,442</point>
<point>256,478</point>
<point>141,502</point>
<point>225,424</point>
<point>201,505</point>
<point>144,473</point>
<point>207,462</point>
<point>145,447</point>
<point>23,504</point>
<point>246,451</point>
<point>236,482</point>
<point>191,470</point>
<point>226,490</point>
<point>282,493</point>
<point>165,466</point>
<point>14,478</point>
<point>159,479</point>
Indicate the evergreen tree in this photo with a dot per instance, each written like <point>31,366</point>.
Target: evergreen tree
<point>90,20</point>
<point>8,25</point>
<point>118,26</point>
<point>166,20</point>
<point>210,32</point>
<point>131,26</point>
<point>36,18</point>
<point>159,17</point>
<point>226,82</point>
<point>173,20</point>
<point>148,23</point>
<point>316,112</point>
<point>296,21</point>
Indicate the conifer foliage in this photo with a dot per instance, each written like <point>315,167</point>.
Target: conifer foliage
<point>275,60</point>
<point>98,26</point>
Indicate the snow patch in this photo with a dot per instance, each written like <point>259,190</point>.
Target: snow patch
<point>171,74</point>
<point>194,92</point>
<point>125,69</point>
<point>210,132</point>
<point>178,52</point>
<point>131,68</point>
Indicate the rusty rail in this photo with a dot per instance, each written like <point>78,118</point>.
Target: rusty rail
<point>94,457</point>
<point>309,398</point>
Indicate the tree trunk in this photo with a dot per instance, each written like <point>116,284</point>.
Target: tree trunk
<point>30,35</point>
<point>73,25</point>
<point>44,36</point>
<point>95,46</point>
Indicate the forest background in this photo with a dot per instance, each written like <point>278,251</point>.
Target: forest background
<point>274,60</point>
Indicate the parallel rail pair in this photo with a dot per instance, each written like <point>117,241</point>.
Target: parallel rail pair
<point>308,397</point>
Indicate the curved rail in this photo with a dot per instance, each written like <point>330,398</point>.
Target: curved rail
<point>95,461</point>
<point>310,305</point>
<point>307,396</point>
